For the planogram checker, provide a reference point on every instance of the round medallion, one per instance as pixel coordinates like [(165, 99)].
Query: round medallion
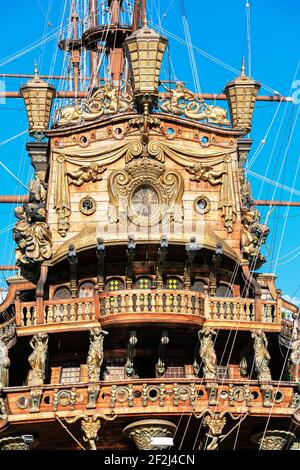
[(87, 205), (202, 205), (145, 201)]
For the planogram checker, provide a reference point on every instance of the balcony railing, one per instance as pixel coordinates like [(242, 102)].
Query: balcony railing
[(148, 302), (149, 396)]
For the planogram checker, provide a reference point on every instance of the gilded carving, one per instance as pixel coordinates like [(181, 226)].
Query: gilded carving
[(4, 363), (64, 398), (147, 190), (200, 172), (85, 174), (142, 432), (254, 233), (273, 440), (105, 101), (16, 442), (38, 357), (183, 102), (90, 426), (294, 361), (3, 410), (32, 234), (261, 355), (96, 354), (207, 353)]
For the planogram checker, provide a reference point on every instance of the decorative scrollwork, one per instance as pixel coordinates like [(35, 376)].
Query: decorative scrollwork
[(64, 398), (183, 102), (105, 101), (32, 234)]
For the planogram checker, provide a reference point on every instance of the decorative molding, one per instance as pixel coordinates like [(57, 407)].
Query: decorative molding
[(142, 432)]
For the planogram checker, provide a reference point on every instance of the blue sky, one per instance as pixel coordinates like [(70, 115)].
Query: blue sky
[(217, 28)]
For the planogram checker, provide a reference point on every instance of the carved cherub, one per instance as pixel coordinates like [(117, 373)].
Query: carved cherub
[(85, 174), (200, 172)]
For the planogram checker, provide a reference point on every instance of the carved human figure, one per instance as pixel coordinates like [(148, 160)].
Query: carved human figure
[(32, 234), (85, 174), (37, 188), (294, 361), (207, 352), (176, 103), (261, 355), (96, 354), (38, 357), (4, 364)]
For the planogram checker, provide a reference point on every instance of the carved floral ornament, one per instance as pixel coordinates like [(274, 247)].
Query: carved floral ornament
[(144, 178)]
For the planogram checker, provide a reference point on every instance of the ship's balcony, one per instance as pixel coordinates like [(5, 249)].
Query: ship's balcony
[(148, 306), (148, 397)]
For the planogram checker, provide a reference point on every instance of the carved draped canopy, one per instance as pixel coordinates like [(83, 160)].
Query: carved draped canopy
[(186, 157)]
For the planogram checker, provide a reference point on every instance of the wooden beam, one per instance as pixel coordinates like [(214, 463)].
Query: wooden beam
[(204, 96), (9, 268), (13, 199), (276, 203)]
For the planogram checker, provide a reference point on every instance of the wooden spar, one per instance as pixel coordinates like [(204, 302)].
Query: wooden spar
[(258, 202), (204, 96), (75, 53), (13, 199), (93, 54), (277, 203), (9, 268)]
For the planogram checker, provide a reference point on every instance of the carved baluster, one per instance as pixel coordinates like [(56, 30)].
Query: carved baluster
[(269, 314), (196, 304), (65, 313), (227, 310), (49, 314), (122, 304), (22, 311), (152, 303), (175, 303), (130, 302), (235, 311), (34, 316), (79, 312), (248, 312), (87, 311), (28, 316), (215, 309), (222, 310), (160, 303), (190, 305), (168, 303), (56, 309), (107, 305), (264, 307), (93, 310), (72, 312), (138, 303)]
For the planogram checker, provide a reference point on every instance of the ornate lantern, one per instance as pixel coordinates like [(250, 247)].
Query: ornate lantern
[(241, 95), (145, 48), (38, 96)]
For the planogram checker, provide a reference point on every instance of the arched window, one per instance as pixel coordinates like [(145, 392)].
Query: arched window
[(173, 283), (62, 293), (143, 283), (86, 289), (199, 286), (224, 291), (114, 284)]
